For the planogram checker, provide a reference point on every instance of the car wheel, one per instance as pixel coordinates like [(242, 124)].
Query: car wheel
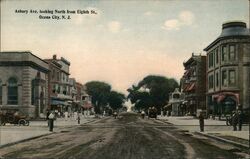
[(22, 122)]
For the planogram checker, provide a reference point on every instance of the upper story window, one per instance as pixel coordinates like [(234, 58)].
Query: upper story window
[(12, 91), (232, 77), (176, 96), (232, 52), (216, 56), (224, 53), (211, 81), (217, 79), (211, 60), (53, 74), (224, 78), (58, 76), (1, 92)]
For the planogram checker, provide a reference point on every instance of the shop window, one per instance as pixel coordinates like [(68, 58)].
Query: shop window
[(224, 78), (232, 77), (12, 91), (224, 53), (232, 52)]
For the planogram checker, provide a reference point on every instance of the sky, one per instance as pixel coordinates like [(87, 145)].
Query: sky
[(124, 41)]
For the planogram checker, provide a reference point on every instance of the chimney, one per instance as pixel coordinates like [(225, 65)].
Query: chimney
[(54, 57)]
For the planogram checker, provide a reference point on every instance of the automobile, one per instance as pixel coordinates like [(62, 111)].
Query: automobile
[(12, 118)]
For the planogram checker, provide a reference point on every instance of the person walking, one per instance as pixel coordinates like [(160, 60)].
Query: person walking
[(51, 121), (201, 121), (234, 121), (47, 116), (240, 119)]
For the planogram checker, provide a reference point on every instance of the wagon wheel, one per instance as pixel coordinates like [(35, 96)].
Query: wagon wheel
[(22, 122)]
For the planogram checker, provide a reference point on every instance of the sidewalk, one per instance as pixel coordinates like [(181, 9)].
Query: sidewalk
[(212, 128), (12, 134)]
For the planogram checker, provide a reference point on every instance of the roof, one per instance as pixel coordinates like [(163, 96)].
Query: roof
[(233, 29)]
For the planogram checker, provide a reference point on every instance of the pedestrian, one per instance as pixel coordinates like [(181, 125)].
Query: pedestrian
[(78, 118), (240, 119), (51, 121), (66, 115), (47, 116), (201, 121), (234, 120), (143, 114)]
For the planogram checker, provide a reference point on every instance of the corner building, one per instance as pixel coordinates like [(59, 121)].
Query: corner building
[(23, 83), (228, 70)]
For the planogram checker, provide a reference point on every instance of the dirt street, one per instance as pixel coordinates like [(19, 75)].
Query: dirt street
[(128, 137)]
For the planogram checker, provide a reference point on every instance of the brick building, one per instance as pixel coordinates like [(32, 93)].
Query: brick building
[(193, 84), (228, 70)]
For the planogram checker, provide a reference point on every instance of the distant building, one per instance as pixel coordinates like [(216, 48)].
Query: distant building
[(193, 84), (176, 100), (228, 70), (59, 85), (23, 83)]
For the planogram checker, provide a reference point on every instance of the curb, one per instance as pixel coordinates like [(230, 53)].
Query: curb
[(27, 139), (224, 140)]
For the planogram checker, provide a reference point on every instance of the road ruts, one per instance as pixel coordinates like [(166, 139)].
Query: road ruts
[(128, 137)]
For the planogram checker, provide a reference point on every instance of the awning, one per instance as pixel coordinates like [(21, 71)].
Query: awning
[(220, 97), (192, 87), (57, 102), (87, 105)]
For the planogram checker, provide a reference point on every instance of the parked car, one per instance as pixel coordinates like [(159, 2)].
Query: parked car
[(12, 118)]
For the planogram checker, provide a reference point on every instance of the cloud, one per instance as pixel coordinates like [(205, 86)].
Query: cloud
[(114, 26), (172, 24), (185, 18), (148, 13)]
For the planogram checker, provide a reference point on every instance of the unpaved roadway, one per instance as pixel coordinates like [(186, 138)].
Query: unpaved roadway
[(128, 137)]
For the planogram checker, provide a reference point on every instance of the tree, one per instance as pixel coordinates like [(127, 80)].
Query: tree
[(152, 91), (99, 91), (116, 100)]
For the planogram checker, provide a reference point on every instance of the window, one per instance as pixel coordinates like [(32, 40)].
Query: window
[(58, 76), (64, 90), (32, 92), (12, 91), (211, 82), (217, 79), (53, 74), (1, 92), (211, 60), (224, 78), (224, 53), (58, 89), (54, 89), (216, 56), (232, 52), (232, 77)]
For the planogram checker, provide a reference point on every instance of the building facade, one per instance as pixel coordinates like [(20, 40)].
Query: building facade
[(228, 70), (193, 84), (23, 83), (176, 100), (59, 84)]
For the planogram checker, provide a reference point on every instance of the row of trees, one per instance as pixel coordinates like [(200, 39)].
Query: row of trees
[(103, 95), (150, 91)]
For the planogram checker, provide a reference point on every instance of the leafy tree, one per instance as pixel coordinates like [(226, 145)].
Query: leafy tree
[(152, 91), (116, 100), (100, 92)]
